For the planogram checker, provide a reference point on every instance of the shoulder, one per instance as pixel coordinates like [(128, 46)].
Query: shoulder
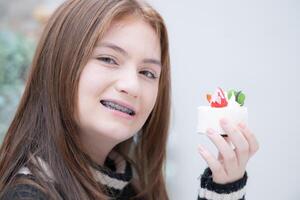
[(129, 191), (22, 191)]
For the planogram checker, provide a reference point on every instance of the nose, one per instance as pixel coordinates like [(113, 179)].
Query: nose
[(128, 83)]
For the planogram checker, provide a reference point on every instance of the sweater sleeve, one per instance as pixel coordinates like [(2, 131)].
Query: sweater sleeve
[(210, 190), (23, 192)]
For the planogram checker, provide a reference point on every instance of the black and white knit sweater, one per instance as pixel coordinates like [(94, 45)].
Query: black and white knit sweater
[(209, 190), (116, 178)]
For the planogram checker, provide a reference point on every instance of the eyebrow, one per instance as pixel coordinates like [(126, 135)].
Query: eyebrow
[(122, 51)]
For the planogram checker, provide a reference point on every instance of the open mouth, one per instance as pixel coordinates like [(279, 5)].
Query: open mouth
[(118, 107)]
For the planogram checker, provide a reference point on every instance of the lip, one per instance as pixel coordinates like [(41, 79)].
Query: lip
[(127, 105)]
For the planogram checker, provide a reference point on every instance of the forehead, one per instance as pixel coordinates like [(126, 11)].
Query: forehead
[(132, 33)]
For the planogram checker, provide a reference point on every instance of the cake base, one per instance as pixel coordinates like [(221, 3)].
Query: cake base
[(209, 117)]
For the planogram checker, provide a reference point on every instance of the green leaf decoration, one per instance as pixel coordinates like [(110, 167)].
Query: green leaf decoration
[(241, 98), (229, 94), (236, 95)]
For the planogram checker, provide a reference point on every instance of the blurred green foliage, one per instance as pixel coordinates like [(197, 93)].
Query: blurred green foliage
[(16, 52)]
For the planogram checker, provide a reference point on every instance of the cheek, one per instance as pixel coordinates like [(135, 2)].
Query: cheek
[(92, 80), (91, 83), (150, 97)]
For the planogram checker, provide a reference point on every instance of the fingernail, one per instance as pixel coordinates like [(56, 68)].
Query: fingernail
[(200, 149), (242, 125), (225, 124), (210, 131)]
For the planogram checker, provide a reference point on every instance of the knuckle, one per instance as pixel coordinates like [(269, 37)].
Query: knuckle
[(245, 149), (230, 158)]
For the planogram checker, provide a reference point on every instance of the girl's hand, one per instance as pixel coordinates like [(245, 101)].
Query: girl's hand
[(231, 163)]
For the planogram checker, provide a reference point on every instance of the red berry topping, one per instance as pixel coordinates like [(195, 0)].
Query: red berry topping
[(219, 99)]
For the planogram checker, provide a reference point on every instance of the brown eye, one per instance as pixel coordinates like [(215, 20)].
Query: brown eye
[(108, 60), (149, 74)]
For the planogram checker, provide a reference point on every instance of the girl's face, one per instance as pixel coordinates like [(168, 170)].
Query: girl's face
[(123, 72)]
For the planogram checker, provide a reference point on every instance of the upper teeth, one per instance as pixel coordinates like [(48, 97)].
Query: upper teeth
[(118, 107)]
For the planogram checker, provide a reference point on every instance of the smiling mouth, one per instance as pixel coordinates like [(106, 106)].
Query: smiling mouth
[(118, 107)]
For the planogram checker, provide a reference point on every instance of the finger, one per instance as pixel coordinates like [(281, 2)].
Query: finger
[(229, 156), (250, 137), (220, 158), (238, 140), (229, 142), (215, 166)]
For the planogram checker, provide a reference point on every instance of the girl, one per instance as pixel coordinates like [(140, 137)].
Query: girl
[(93, 120)]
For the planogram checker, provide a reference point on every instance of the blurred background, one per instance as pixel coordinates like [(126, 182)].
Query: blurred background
[(250, 45)]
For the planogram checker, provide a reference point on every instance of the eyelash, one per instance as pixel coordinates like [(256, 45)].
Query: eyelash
[(105, 59), (108, 60)]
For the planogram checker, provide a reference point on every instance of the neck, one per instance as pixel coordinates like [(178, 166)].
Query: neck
[(98, 148)]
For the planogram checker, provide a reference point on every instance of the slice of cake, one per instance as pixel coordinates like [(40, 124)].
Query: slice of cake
[(223, 104)]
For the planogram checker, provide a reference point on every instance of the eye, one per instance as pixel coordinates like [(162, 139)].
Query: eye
[(107, 60), (149, 74)]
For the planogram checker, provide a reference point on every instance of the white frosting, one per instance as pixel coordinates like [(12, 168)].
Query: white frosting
[(209, 117)]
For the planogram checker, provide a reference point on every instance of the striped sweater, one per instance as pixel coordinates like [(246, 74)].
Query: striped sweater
[(116, 176)]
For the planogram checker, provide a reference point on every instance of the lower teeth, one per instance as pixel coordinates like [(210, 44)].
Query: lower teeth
[(110, 107), (117, 109)]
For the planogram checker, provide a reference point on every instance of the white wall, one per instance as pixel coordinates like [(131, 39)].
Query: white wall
[(252, 45)]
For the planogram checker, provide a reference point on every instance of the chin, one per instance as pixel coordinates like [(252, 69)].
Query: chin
[(118, 134)]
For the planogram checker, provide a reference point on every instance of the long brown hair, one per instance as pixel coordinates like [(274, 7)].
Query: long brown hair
[(44, 123)]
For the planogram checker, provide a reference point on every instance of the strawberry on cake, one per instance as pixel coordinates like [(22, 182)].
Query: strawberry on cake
[(223, 104)]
